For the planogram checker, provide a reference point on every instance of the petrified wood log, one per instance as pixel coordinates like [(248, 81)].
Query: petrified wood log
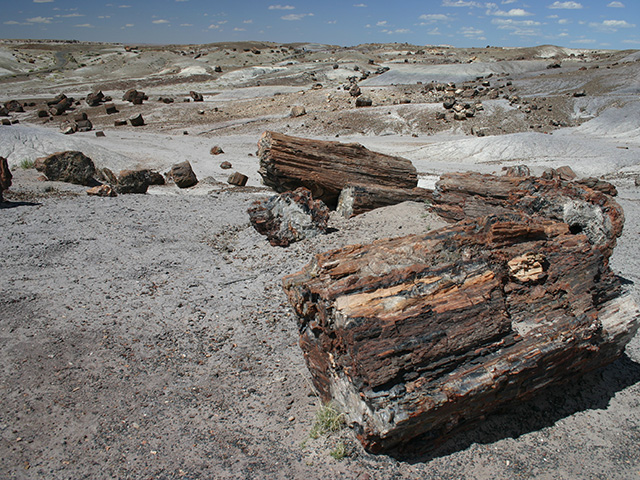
[(415, 336), (357, 199), (461, 196), (325, 168)]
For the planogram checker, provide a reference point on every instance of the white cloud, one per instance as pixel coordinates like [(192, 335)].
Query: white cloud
[(471, 32), (247, 21), (42, 1), (617, 24), (214, 26), (566, 5), (564, 21), (281, 7), (460, 3), (360, 5), (434, 17), (71, 15), (85, 25), (583, 41), (129, 25), (124, 6), (631, 41), (397, 31), (616, 5), (237, 29), (514, 12), (507, 2), (292, 17), (381, 24), (12, 22), (435, 31), (508, 23), (332, 22), (39, 20), (186, 24), (159, 21)]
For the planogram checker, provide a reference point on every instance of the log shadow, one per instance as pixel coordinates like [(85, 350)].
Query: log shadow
[(592, 391), (10, 204)]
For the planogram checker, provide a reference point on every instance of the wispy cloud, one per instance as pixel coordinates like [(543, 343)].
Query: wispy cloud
[(360, 5), (160, 21), (186, 24), (611, 25), (281, 7), (428, 19), (85, 25), (39, 20), (473, 33), (247, 21), (12, 22), (124, 6), (461, 3), (566, 5), (381, 24), (397, 31), (213, 26), (616, 5), (514, 12), (70, 15), (292, 17), (42, 1), (583, 41)]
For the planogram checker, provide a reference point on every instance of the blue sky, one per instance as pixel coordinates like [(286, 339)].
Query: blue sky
[(461, 23)]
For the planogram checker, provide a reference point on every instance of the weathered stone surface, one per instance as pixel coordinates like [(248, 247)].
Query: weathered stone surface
[(155, 178), (298, 111), (106, 175), (599, 185), (460, 196), (238, 179), (357, 199), (132, 181), (134, 96), (325, 168), (70, 166), (14, 106), (289, 217), (95, 99), (417, 335), (363, 102), (137, 121), (183, 175), (517, 171), (102, 191), (5, 176)]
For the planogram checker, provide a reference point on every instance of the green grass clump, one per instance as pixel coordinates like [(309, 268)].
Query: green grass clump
[(339, 452), (26, 164), (328, 420)]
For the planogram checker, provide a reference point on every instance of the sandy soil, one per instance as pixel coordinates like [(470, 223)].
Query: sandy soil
[(147, 336)]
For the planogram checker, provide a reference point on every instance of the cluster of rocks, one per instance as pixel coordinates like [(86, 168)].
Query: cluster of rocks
[(96, 99), (80, 123), (134, 96)]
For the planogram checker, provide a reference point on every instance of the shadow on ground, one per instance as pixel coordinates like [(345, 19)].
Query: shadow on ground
[(593, 391)]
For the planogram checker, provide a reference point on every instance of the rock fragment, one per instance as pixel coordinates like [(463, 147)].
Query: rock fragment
[(183, 175), (5, 176), (69, 166)]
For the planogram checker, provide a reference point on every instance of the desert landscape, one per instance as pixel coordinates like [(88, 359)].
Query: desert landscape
[(149, 335)]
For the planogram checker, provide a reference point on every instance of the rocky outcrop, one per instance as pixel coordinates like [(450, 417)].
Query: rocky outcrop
[(70, 166), (289, 217), (183, 175), (5, 176)]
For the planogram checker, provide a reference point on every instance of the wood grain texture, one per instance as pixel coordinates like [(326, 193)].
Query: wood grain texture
[(414, 336), (325, 167)]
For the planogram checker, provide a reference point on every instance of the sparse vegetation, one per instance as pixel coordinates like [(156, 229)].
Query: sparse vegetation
[(27, 164), (328, 420), (340, 451)]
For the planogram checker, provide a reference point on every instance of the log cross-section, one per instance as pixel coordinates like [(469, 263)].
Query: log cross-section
[(326, 167)]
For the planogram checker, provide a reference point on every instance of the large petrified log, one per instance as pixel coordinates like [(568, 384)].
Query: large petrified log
[(460, 196), (325, 168), (415, 336), (5, 176), (357, 199)]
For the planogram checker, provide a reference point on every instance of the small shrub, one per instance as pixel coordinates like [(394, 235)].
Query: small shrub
[(339, 452)]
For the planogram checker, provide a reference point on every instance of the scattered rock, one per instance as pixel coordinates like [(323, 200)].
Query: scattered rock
[(134, 96), (5, 176), (217, 69), (449, 102), (364, 102), (120, 123), (226, 165), (237, 179), (580, 93), (132, 181), (84, 126), (43, 114), (68, 128), (197, 97), (136, 121), (298, 111), (110, 108), (70, 166), (95, 99), (100, 133), (183, 175), (102, 191), (62, 106), (14, 106), (517, 171), (289, 217), (216, 150), (355, 91)]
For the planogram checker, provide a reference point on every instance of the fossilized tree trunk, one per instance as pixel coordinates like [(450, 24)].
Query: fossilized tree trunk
[(357, 199), (325, 168), (415, 335)]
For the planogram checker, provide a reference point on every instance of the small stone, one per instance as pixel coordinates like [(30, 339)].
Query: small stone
[(298, 111), (137, 121), (216, 150), (238, 179), (226, 165)]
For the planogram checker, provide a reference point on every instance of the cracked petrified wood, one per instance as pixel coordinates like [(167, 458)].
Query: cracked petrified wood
[(357, 199), (418, 335), (461, 196), (325, 168)]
